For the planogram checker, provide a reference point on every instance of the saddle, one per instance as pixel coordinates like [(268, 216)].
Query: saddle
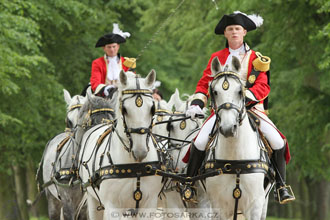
[(255, 123)]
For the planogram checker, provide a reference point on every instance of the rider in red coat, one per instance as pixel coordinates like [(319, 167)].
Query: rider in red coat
[(255, 76), (105, 69)]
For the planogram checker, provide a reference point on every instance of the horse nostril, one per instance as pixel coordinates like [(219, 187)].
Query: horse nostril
[(234, 129)]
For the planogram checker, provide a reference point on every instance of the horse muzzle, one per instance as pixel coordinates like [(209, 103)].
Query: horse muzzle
[(139, 155), (228, 131)]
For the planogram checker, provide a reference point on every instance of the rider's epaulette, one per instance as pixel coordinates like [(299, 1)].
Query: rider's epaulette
[(130, 62), (261, 63)]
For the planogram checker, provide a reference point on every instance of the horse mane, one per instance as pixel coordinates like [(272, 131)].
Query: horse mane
[(96, 102)]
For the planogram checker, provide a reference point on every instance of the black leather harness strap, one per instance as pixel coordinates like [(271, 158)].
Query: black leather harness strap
[(230, 166), (237, 167), (237, 193), (119, 171)]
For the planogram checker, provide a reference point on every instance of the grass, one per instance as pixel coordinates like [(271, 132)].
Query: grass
[(273, 218), (268, 218)]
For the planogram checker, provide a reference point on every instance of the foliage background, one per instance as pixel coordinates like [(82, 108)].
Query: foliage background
[(46, 46)]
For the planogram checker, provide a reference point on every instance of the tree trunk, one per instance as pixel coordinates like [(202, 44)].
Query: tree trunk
[(322, 200), (40, 207), (312, 191), (303, 199), (20, 187), (8, 205)]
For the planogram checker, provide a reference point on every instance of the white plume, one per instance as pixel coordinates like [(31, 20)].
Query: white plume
[(116, 30), (157, 84), (258, 20)]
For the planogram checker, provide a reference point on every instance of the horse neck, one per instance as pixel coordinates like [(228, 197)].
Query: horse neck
[(244, 146)]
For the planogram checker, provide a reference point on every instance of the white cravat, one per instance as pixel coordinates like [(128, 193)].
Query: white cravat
[(113, 68), (235, 53)]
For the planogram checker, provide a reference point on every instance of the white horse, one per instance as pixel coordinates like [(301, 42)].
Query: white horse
[(235, 152), (181, 131), (52, 150), (116, 158)]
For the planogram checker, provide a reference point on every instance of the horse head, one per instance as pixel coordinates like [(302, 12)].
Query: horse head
[(227, 95), (163, 111), (136, 110), (184, 128), (97, 110), (73, 105)]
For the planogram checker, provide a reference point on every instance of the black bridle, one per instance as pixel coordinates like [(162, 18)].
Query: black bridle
[(104, 114), (138, 94), (227, 105), (67, 120)]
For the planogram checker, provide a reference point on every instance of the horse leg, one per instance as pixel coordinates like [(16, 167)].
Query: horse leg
[(264, 210), (53, 206), (71, 198), (254, 212), (92, 205)]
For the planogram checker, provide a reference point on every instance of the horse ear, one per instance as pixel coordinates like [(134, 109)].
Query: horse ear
[(151, 78), (89, 94), (67, 97), (236, 65), (215, 66), (123, 78)]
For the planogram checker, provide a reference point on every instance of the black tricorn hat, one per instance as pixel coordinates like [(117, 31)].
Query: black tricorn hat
[(110, 39), (117, 36), (248, 22)]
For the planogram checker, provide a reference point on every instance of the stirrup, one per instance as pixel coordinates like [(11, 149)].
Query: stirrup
[(288, 199)]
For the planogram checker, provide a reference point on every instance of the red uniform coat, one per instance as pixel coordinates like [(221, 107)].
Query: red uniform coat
[(260, 88), (99, 71)]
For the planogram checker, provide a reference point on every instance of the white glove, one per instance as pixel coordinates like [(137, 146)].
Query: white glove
[(194, 110), (107, 89)]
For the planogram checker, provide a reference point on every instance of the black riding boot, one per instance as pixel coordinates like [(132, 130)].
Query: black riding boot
[(195, 161), (281, 194)]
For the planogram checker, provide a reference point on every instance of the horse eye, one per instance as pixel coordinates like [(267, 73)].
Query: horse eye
[(215, 93), (69, 123), (240, 92)]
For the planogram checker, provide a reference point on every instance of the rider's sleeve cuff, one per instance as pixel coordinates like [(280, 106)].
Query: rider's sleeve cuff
[(99, 88), (250, 95), (199, 99), (198, 102)]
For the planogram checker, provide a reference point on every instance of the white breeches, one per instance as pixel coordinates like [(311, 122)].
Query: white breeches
[(269, 131)]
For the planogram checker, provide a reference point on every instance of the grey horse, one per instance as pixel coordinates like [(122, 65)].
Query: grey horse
[(60, 178)]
